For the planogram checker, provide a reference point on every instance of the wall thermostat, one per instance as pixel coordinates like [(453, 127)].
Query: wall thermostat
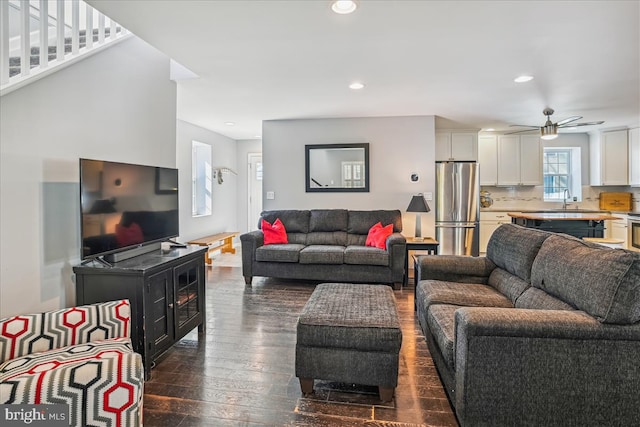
[(415, 177)]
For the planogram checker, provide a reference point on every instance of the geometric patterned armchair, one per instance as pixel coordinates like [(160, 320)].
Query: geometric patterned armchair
[(81, 357)]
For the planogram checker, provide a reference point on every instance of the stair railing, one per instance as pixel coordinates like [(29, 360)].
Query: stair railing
[(39, 37)]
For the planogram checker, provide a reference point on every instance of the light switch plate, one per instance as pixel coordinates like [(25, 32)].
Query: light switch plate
[(271, 195), (428, 195)]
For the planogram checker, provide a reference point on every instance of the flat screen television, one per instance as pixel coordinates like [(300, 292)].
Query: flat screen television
[(125, 206)]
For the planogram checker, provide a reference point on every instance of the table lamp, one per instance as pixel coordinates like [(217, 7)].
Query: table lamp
[(418, 204)]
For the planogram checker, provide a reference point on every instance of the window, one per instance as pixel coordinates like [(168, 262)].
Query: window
[(201, 179), (562, 173), (352, 174)]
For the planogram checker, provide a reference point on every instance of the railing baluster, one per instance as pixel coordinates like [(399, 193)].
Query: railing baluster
[(60, 31), (112, 33), (4, 38), (89, 33), (100, 28), (44, 34), (25, 39), (75, 27)]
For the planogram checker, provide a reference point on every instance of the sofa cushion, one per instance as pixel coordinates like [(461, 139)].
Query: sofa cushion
[(540, 300), (294, 221), (513, 248), (460, 294), (99, 380), (603, 282), (361, 221), (322, 254), (327, 238), (279, 253), (328, 220), (507, 284), (441, 322), (365, 255)]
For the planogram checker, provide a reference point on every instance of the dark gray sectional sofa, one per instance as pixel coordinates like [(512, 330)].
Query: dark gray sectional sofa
[(327, 245), (543, 331)]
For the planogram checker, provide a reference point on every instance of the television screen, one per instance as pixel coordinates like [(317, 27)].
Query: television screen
[(125, 206)]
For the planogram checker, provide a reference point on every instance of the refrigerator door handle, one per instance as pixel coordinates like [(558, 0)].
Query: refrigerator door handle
[(466, 225)]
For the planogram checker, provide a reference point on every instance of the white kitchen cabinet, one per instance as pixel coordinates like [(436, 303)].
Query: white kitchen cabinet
[(459, 146), (488, 159), (519, 160), (489, 222), (609, 158), (634, 157), (618, 229)]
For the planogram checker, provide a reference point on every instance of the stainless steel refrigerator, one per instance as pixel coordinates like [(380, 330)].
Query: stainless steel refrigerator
[(458, 208)]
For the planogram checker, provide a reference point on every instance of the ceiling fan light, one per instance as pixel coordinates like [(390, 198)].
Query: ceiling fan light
[(549, 132)]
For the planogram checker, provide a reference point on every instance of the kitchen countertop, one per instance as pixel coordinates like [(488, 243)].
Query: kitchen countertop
[(563, 216)]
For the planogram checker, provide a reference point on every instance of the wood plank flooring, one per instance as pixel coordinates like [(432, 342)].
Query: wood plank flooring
[(241, 371)]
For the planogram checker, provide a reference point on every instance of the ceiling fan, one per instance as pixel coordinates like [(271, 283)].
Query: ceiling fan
[(550, 130)]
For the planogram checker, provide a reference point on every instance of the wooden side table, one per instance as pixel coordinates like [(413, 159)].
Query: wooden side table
[(427, 244)]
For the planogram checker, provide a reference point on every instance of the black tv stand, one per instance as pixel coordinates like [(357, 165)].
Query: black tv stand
[(166, 292)]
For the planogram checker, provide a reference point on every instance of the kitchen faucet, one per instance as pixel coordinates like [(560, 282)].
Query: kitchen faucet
[(566, 195)]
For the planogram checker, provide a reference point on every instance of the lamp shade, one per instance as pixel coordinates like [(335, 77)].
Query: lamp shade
[(418, 204), (102, 206)]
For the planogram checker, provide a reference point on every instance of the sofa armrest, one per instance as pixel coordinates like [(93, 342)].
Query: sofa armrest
[(454, 268), (250, 242), (544, 367), (396, 244)]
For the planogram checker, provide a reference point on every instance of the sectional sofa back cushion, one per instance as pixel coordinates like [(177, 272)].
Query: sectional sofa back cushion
[(295, 222), (513, 248), (359, 223), (600, 281), (327, 227), (33, 333)]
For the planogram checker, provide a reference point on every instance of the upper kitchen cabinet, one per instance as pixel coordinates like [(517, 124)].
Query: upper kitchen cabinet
[(488, 159), (609, 158), (519, 160), (634, 157), (459, 146)]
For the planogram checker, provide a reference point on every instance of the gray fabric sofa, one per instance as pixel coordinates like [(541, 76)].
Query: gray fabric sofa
[(327, 245), (543, 331)]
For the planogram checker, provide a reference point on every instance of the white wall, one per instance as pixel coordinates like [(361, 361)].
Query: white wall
[(223, 151), (243, 149), (117, 105), (398, 147)]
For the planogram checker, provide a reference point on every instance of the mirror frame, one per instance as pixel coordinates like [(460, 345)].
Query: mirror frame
[(309, 189)]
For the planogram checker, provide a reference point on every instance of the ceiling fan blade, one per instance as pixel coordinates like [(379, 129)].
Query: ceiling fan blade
[(537, 128), (525, 126), (568, 120), (582, 124)]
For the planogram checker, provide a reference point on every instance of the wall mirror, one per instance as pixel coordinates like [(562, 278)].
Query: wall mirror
[(337, 168)]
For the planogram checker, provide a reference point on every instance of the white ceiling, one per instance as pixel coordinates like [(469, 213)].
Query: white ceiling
[(268, 60)]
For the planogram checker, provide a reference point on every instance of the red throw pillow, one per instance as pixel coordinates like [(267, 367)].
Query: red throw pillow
[(274, 234), (378, 234), (127, 236)]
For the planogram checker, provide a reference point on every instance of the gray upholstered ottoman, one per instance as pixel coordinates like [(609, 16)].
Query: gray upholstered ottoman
[(349, 333)]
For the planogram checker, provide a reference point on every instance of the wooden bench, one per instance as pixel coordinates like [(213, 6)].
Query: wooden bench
[(222, 241)]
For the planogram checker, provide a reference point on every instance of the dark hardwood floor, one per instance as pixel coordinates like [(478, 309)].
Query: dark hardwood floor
[(241, 371)]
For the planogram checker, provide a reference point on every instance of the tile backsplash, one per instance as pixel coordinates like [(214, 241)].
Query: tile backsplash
[(531, 198)]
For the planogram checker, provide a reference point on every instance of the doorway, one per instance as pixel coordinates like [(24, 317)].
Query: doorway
[(255, 190)]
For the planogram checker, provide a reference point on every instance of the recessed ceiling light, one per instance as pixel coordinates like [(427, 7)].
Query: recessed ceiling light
[(344, 7), (356, 85), (229, 123), (523, 79)]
